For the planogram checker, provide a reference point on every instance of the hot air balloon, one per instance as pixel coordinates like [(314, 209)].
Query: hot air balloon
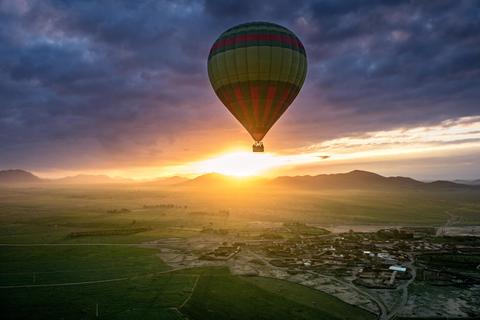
[(256, 70)]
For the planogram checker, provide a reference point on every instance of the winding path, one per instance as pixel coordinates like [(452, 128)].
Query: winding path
[(453, 220)]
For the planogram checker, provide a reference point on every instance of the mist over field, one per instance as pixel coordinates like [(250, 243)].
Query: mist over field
[(60, 207)]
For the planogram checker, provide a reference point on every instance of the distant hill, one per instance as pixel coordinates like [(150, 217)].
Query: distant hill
[(170, 181), (21, 176), (91, 179), (18, 176), (356, 179), (445, 184), (217, 180), (352, 180)]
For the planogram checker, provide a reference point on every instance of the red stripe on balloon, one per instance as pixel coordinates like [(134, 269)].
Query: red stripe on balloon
[(255, 100), (268, 104), (241, 102), (271, 37), (280, 104), (229, 104), (288, 103)]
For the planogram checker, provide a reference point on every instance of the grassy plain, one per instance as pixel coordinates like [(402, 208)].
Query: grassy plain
[(155, 293), (218, 295), (313, 298), (49, 214), (28, 265)]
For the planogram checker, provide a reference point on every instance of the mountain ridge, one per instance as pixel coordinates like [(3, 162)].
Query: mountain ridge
[(352, 179), (87, 178), (18, 176), (356, 179)]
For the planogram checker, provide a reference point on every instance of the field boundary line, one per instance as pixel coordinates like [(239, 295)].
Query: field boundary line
[(62, 284), (64, 244), (87, 282), (191, 293)]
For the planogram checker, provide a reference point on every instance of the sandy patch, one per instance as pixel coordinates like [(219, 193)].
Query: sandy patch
[(463, 231)]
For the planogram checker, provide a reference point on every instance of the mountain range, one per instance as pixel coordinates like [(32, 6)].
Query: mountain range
[(18, 176), (356, 179)]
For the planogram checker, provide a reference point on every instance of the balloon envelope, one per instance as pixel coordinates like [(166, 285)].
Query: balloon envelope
[(257, 69)]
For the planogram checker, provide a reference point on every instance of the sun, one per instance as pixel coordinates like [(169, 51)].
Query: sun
[(240, 164)]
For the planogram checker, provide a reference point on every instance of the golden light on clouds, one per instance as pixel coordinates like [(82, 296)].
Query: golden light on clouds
[(451, 134), (446, 139)]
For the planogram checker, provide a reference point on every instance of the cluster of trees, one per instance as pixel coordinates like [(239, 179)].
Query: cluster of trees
[(222, 232), (270, 235), (108, 232), (200, 213), (164, 206), (425, 230), (394, 234), (123, 210), (470, 240), (204, 213)]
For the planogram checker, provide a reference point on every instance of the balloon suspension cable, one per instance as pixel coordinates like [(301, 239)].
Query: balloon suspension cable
[(258, 146)]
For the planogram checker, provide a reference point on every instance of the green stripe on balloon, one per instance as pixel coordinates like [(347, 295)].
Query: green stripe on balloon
[(241, 66), (255, 43)]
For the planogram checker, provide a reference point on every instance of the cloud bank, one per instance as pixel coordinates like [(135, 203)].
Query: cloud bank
[(107, 84)]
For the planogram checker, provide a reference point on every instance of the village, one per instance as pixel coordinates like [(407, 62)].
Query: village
[(373, 270), (376, 260)]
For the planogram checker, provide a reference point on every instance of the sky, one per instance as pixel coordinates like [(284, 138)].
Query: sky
[(121, 88)]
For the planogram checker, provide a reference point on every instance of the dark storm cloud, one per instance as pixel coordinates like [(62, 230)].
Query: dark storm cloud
[(392, 63), (110, 72), (104, 79)]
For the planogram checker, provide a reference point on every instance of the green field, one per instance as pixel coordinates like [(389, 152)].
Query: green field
[(155, 294), (65, 264), (228, 297), (51, 214), (143, 288), (311, 298)]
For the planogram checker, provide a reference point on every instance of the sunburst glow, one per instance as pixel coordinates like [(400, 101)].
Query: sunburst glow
[(240, 163)]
